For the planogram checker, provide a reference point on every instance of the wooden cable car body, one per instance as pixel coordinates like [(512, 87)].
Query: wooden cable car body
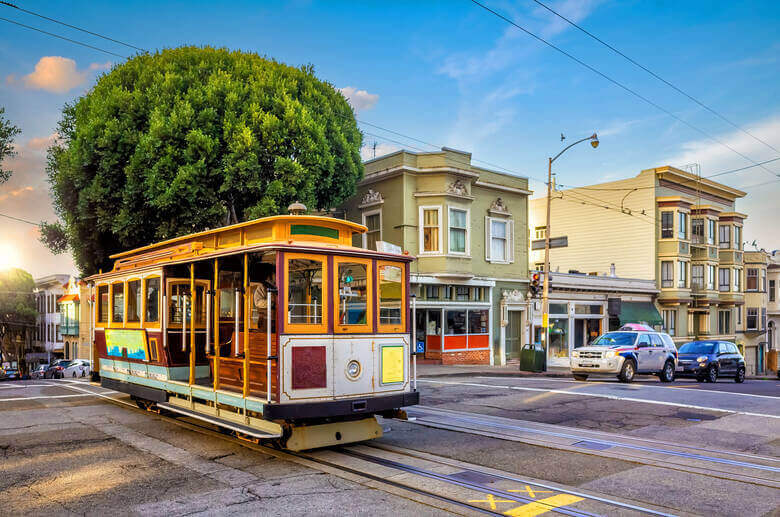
[(276, 329)]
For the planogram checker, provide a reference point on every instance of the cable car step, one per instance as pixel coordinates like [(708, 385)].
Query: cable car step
[(219, 421)]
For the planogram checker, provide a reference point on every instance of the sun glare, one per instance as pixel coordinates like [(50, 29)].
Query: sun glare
[(9, 256)]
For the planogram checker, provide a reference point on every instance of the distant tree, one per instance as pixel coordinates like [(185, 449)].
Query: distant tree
[(17, 311), (8, 133), (192, 138)]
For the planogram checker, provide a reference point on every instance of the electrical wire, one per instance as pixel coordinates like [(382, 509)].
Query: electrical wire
[(20, 220), (619, 84), (678, 90), (64, 38)]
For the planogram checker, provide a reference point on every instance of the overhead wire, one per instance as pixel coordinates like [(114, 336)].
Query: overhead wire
[(64, 38), (618, 84), (668, 83)]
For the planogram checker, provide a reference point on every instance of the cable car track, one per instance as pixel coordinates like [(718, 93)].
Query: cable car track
[(222, 434)]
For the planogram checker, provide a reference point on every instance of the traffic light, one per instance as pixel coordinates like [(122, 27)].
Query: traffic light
[(535, 286)]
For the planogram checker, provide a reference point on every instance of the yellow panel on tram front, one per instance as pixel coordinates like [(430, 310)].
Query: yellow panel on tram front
[(392, 364)]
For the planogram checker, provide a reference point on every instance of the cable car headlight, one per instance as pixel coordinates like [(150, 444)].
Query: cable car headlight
[(353, 369)]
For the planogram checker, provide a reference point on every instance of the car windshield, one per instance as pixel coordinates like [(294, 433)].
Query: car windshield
[(64, 364), (615, 339), (697, 347)]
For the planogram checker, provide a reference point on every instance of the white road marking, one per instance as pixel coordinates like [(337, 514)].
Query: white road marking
[(636, 385), (38, 397), (598, 395)]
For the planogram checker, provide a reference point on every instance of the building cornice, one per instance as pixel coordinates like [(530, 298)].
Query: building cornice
[(502, 188)]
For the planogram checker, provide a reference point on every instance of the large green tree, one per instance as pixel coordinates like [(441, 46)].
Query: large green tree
[(17, 312), (192, 138), (8, 132)]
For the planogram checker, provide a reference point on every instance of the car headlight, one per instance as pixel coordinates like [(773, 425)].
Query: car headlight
[(575, 353), (353, 369), (610, 354), (702, 358)]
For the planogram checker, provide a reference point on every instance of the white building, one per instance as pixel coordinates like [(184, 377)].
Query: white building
[(48, 337), (773, 309)]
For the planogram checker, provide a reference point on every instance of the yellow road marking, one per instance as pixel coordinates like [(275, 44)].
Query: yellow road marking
[(543, 505), (491, 501), (531, 492)]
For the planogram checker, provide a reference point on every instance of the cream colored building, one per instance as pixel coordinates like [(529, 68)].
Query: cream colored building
[(773, 310), (754, 339), (666, 225)]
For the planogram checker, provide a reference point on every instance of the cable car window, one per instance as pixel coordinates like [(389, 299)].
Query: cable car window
[(102, 316), (353, 293), (390, 295), (134, 301), (152, 300), (179, 292), (118, 303), (304, 298), (228, 282)]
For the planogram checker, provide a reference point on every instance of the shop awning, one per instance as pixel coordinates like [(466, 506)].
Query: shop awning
[(68, 298), (640, 312)]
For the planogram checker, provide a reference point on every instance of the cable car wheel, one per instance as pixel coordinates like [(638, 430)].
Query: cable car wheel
[(146, 405)]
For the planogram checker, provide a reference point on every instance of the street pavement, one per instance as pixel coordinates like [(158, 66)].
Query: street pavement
[(66, 450)]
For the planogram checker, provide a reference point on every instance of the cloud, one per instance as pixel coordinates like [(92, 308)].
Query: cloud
[(42, 143), (56, 74), (360, 100), (367, 151)]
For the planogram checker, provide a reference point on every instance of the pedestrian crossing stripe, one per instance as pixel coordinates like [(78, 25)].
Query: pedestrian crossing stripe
[(543, 505)]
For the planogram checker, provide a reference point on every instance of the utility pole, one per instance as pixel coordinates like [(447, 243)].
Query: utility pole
[(594, 142)]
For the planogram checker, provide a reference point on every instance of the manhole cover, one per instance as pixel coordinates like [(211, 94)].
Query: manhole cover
[(472, 476), (596, 446)]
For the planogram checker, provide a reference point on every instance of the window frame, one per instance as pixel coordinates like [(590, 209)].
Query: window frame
[(667, 282), (391, 327), (755, 317), (509, 239), (467, 237), (667, 230), (168, 283), (682, 271), (139, 323), (97, 319), (152, 324), (307, 328), (421, 232), (728, 280), (712, 272), (339, 328), (670, 321), (682, 225), (111, 322), (772, 290), (712, 231), (364, 216), (694, 276), (724, 244), (748, 277)]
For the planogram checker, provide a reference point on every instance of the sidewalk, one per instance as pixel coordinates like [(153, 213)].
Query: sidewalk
[(510, 370)]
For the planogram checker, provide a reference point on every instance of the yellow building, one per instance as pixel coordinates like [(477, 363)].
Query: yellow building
[(754, 339), (665, 224), (75, 326)]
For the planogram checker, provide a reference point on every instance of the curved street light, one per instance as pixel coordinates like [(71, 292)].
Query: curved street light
[(594, 142)]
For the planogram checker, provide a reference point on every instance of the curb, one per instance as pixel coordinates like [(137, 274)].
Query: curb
[(497, 374)]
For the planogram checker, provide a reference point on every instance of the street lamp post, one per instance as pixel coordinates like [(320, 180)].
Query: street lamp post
[(594, 141)]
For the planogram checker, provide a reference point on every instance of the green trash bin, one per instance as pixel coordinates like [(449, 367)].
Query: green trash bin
[(532, 358)]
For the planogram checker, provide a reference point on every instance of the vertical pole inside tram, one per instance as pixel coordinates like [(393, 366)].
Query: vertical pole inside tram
[(268, 351), (193, 309), (216, 324), (246, 324)]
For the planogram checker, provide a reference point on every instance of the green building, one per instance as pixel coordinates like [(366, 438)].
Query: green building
[(467, 226)]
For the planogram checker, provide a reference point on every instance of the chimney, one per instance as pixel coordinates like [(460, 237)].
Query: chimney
[(612, 270)]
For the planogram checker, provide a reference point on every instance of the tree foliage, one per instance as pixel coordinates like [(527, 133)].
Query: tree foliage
[(54, 237), (8, 132), (194, 138), (17, 306)]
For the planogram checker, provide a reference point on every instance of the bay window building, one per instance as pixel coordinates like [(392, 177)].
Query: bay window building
[(754, 336), (467, 226)]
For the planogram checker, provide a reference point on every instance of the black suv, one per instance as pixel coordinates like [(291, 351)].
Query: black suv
[(707, 360)]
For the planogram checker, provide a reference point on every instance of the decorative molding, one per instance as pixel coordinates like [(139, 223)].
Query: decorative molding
[(513, 296), (371, 198), (499, 207), (458, 188)]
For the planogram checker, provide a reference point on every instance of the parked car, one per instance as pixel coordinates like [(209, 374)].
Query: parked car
[(10, 374), (76, 368), (39, 372), (54, 369), (634, 349), (708, 360)]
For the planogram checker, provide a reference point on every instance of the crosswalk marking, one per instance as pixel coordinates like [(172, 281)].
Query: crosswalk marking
[(543, 505)]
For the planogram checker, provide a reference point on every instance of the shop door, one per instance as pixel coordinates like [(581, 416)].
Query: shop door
[(513, 335)]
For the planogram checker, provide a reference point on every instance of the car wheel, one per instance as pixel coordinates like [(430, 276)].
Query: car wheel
[(699, 379), (580, 377), (740, 375), (628, 371), (74, 375), (712, 373), (667, 374)]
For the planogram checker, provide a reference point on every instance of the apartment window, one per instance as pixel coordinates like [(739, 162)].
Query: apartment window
[(499, 240), (432, 292), (372, 221), (697, 229), (682, 230), (737, 280), (59, 333), (772, 295), (667, 274), (763, 318), (431, 234), (737, 237), (710, 231), (724, 236), (540, 232), (710, 277), (682, 280), (697, 276), (724, 322), (461, 293), (763, 280), (739, 315), (752, 318), (724, 279), (458, 230), (670, 322), (752, 279), (667, 225)]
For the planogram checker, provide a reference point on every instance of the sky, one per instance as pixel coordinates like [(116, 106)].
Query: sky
[(450, 74)]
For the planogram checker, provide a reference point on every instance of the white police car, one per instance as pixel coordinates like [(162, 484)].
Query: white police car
[(634, 349)]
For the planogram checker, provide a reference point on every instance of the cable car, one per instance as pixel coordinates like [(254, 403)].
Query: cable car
[(277, 329)]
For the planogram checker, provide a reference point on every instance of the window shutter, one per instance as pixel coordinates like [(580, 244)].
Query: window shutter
[(487, 238), (510, 243)]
